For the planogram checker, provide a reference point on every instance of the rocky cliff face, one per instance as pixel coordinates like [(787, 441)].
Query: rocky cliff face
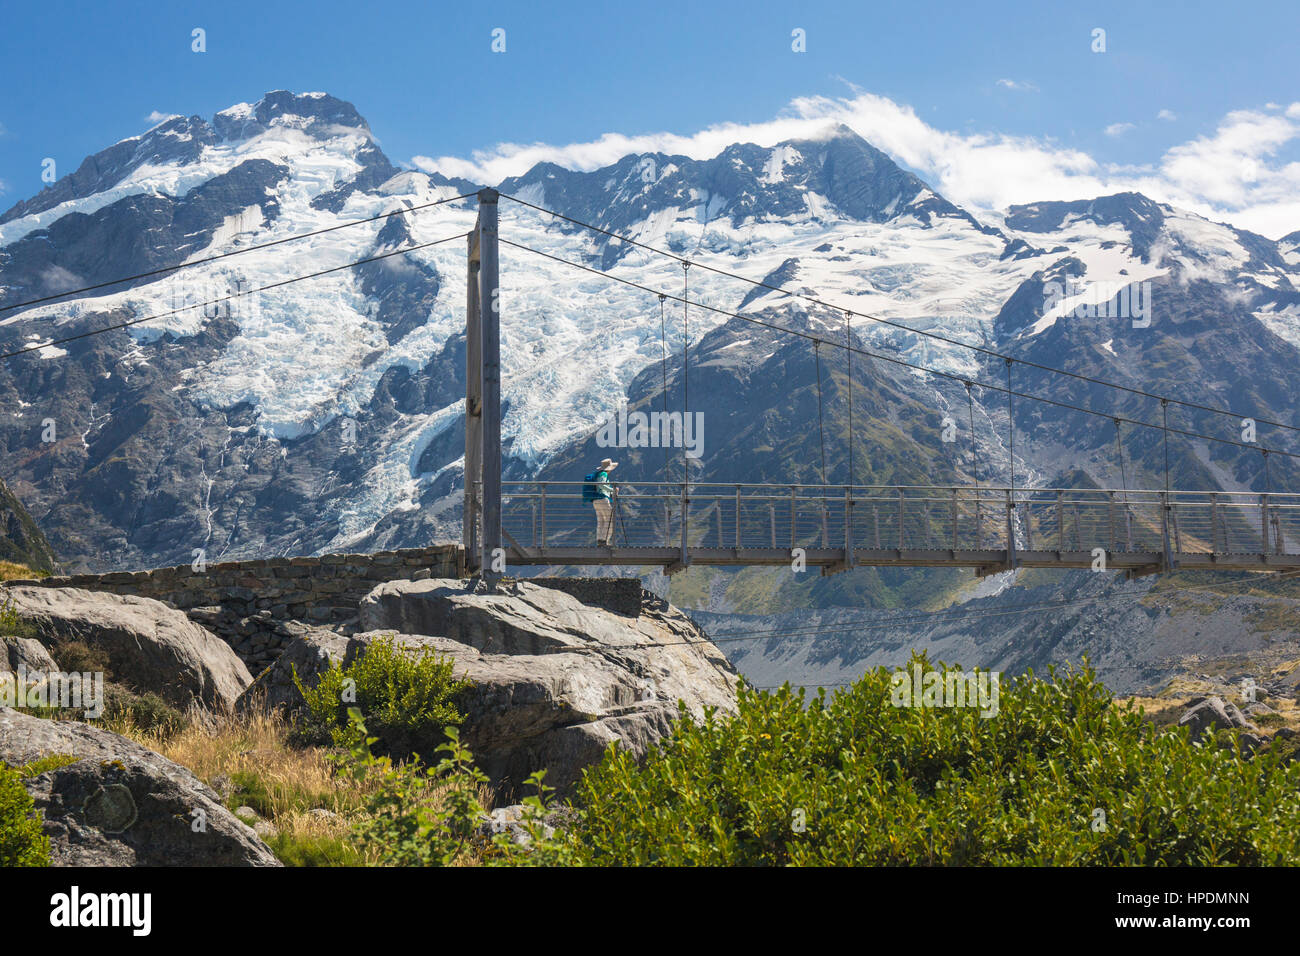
[(21, 541)]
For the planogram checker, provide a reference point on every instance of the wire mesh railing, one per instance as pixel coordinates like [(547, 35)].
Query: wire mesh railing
[(711, 515)]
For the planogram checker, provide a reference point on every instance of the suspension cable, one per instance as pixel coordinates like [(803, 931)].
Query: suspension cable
[(893, 360), (663, 364), (686, 364), (1011, 434), (226, 298), (820, 428), (848, 353), (974, 449), (228, 253), (898, 325), (1119, 448), (1164, 412)]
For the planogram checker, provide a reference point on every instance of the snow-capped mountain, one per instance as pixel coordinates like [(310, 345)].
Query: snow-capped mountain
[(326, 414)]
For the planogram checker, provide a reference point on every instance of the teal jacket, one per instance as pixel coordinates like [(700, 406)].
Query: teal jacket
[(604, 486)]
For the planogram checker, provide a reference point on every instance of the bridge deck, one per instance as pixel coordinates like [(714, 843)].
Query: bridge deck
[(674, 525)]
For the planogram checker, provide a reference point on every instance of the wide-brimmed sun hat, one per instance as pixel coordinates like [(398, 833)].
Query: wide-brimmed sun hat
[(608, 465)]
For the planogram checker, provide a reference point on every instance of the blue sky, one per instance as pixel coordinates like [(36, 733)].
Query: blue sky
[(1195, 102)]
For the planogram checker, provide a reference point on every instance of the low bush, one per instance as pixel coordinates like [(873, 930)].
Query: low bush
[(145, 713), (1059, 776), (432, 815), (22, 842), (12, 624), (406, 700)]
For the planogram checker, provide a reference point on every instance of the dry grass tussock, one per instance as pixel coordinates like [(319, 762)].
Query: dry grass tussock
[(251, 760)]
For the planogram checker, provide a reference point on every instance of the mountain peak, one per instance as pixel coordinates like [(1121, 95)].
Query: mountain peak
[(180, 140), (1142, 217), (317, 114), (832, 175)]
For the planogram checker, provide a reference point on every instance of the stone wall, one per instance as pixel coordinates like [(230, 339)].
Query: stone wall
[(258, 606), (620, 595), (248, 603)]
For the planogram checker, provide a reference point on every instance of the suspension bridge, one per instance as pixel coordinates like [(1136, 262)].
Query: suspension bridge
[(834, 527), (990, 528)]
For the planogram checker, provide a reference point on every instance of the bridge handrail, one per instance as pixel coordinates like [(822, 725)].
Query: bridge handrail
[(1020, 495)]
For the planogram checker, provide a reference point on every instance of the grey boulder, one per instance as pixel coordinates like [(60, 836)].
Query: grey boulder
[(25, 653), (555, 681), (1215, 713), (121, 804), (309, 654), (150, 646)]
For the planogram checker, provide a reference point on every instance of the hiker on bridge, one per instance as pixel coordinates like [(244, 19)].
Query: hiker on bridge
[(601, 492)]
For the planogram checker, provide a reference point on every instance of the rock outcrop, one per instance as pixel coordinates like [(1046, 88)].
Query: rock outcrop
[(555, 681), (121, 804), (1214, 713), (150, 646), (21, 540), (26, 653), (308, 654)]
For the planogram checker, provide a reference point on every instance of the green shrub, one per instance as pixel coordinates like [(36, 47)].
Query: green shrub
[(22, 842), (12, 624), (407, 700), (1060, 776), (430, 816), (145, 712)]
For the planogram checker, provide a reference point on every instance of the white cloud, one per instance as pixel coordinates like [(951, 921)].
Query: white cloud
[(1024, 85), (154, 117), (1167, 115), (1119, 129), (1233, 175)]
